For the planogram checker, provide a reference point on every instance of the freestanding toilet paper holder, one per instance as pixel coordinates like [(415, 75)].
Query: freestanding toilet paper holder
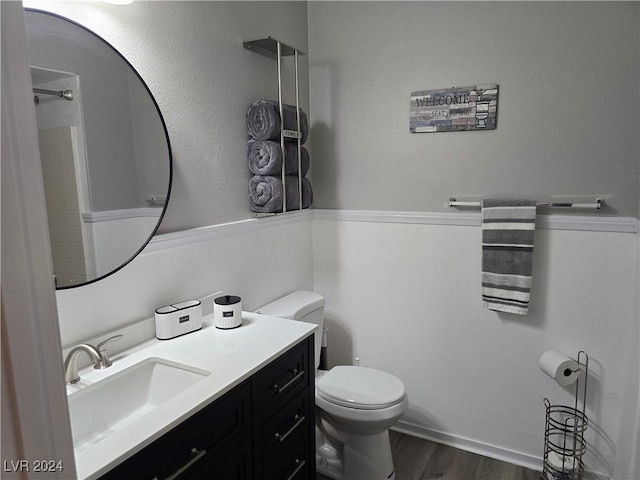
[(564, 443)]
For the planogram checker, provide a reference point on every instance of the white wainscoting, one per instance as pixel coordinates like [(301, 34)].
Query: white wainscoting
[(258, 259), (403, 294)]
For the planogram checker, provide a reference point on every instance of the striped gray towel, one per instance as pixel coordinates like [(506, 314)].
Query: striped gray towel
[(508, 228)]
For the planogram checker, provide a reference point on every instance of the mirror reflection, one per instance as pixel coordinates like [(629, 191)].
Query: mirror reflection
[(106, 158)]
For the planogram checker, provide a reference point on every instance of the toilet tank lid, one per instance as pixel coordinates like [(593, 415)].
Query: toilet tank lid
[(293, 306)]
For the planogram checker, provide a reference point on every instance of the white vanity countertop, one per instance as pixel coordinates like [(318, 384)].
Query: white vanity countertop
[(231, 356)]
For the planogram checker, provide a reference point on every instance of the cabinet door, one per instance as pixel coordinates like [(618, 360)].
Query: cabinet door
[(285, 440)]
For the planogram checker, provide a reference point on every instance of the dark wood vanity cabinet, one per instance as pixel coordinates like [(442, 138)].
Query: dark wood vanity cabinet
[(283, 396), (263, 429)]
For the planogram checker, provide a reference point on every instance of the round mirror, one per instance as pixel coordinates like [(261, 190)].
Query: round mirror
[(106, 157)]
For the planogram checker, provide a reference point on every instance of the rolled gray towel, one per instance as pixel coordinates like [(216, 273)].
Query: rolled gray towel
[(263, 121), (265, 193), (265, 158)]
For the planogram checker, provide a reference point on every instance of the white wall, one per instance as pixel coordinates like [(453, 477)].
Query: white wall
[(405, 297), (454, 357), (259, 260)]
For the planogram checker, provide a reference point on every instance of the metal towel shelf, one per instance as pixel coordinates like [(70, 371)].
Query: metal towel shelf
[(272, 48)]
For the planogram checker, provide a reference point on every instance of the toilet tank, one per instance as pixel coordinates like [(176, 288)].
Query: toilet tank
[(301, 305)]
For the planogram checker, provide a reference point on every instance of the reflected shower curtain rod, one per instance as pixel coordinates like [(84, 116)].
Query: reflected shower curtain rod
[(597, 205), (66, 94)]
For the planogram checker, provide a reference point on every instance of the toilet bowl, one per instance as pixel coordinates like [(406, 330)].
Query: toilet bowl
[(355, 406)]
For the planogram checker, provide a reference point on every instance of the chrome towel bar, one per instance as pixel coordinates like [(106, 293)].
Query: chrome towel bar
[(597, 205)]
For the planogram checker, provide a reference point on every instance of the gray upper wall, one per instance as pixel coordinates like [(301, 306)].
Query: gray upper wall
[(568, 114), (568, 117), (191, 56)]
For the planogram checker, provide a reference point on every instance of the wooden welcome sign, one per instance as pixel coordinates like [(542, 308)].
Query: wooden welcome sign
[(454, 109)]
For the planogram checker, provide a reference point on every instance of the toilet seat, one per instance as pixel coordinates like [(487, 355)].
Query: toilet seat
[(360, 388)]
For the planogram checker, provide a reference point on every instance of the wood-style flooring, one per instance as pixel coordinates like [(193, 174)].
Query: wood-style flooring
[(418, 459)]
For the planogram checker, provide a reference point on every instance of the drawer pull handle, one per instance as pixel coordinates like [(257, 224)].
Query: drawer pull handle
[(298, 419), (197, 455), (298, 468), (296, 376)]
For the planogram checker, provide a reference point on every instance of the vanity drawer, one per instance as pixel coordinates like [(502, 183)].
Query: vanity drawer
[(232, 463), (195, 441), (218, 424), (285, 427), (284, 378), (290, 461)]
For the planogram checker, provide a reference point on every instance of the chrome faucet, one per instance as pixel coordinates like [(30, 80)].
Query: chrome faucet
[(97, 354)]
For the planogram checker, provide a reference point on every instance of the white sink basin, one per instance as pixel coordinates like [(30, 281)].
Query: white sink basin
[(98, 410)]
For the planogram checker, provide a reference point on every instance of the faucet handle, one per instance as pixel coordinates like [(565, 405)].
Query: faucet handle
[(104, 357)]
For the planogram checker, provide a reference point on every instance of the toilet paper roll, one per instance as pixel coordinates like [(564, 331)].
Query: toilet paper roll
[(562, 463), (561, 368)]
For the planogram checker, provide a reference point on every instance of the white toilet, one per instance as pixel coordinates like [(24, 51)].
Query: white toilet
[(355, 405)]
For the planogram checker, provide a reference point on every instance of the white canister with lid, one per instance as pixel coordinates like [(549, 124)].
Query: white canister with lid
[(227, 312)]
